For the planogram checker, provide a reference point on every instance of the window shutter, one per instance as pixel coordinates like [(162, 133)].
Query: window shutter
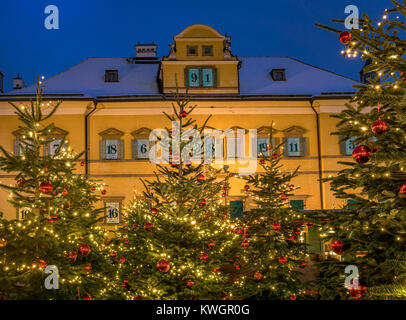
[(303, 146), (343, 147), (186, 77), (120, 149), (215, 80), (17, 147), (102, 149), (134, 148), (285, 147), (275, 142)]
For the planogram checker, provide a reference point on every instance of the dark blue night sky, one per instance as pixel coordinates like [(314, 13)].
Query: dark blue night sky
[(110, 28)]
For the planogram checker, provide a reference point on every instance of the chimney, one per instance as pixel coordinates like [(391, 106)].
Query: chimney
[(1, 82), (18, 83), (145, 51)]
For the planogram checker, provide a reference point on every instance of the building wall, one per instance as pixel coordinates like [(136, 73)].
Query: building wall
[(123, 176)]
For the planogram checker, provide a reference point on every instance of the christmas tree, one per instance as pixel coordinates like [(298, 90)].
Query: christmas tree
[(370, 230), (178, 234), (59, 226), (271, 246)]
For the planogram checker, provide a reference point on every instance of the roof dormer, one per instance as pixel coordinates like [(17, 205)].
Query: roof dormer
[(200, 59)]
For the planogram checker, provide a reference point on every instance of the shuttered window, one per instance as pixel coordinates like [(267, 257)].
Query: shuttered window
[(348, 146), (140, 148), (237, 209), (297, 204), (111, 149), (295, 147)]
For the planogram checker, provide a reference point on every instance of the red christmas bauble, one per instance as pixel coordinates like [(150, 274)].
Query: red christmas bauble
[(73, 255), (148, 226), (65, 192), (245, 244), (282, 260), (113, 254), (200, 177), (292, 297), (309, 224), (211, 245), (217, 269), (190, 283), (297, 232), (237, 266), (403, 189), (88, 267), (327, 220), (104, 191), (345, 37), (42, 263), (257, 276), (87, 297), (46, 187), (93, 188), (82, 163), (303, 265), (359, 292), (291, 238), (84, 249), (276, 226), (204, 256), (224, 188), (183, 114), (139, 298), (163, 265), (275, 156), (261, 161), (19, 182), (246, 187), (379, 127), (122, 260), (53, 218), (153, 210), (284, 197), (202, 203), (337, 247), (361, 154)]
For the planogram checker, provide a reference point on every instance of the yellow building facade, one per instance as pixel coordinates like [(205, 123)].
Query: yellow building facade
[(110, 105)]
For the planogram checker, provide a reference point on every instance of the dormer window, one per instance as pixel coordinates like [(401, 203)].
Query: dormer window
[(192, 50), (278, 75), (111, 76), (207, 50)]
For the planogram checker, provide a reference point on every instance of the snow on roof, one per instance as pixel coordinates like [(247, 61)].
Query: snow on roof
[(301, 78), (137, 77), (87, 77)]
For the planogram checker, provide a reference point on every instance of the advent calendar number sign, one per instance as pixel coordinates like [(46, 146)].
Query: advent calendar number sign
[(111, 149), (53, 146), (207, 77), (142, 148), (350, 146), (194, 80), (22, 213), (112, 212), (293, 147), (262, 146)]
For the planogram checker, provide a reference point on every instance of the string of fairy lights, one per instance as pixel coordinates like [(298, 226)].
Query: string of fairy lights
[(63, 221)]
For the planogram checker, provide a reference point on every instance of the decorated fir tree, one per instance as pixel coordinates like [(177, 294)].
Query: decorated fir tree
[(178, 234), (59, 226), (370, 231), (271, 247)]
